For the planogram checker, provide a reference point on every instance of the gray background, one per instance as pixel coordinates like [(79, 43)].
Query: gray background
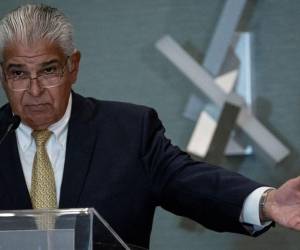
[(119, 62)]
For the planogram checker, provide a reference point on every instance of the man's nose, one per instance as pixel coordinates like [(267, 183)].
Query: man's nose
[(35, 88)]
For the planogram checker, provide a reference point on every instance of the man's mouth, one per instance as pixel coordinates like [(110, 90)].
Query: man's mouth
[(37, 107)]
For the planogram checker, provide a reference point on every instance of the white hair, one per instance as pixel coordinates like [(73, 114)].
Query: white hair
[(30, 23)]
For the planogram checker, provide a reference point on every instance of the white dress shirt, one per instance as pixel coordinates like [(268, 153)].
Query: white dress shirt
[(250, 211), (56, 148)]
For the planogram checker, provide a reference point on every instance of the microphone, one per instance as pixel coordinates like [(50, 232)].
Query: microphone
[(13, 125)]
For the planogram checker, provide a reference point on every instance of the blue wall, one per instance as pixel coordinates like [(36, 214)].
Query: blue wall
[(119, 62)]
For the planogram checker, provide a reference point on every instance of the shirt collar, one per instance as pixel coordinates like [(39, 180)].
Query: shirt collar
[(57, 128)]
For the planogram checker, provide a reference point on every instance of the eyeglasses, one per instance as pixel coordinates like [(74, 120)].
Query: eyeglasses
[(48, 76)]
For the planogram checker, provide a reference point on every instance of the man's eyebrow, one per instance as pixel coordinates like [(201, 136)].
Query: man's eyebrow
[(43, 64), (14, 65), (49, 62)]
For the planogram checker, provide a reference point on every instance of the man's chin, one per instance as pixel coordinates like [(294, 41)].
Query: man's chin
[(39, 122)]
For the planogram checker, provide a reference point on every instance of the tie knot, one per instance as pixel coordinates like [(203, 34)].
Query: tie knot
[(41, 136)]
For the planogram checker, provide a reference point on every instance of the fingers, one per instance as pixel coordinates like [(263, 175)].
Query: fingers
[(293, 183), (296, 225)]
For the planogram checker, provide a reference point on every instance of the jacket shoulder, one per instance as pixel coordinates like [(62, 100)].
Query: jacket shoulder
[(116, 109)]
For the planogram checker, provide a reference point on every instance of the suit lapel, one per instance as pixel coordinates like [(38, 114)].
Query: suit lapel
[(11, 168), (80, 146)]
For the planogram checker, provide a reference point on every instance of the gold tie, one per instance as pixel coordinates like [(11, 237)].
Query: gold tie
[(43, 191)]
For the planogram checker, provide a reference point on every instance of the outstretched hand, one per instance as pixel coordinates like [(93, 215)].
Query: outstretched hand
[(283, 204)]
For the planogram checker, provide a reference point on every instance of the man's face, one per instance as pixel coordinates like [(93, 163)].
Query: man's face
[(37, 106)]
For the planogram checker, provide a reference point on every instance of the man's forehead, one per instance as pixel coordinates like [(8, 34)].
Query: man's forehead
[(41, 59), (36, 54)]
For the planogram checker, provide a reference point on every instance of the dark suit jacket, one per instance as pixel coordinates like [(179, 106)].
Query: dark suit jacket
[(119, 162)]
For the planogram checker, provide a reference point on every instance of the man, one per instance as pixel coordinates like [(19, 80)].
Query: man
[(108, 155)]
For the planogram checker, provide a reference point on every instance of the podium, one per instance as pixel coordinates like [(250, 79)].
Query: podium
[(58, 229)]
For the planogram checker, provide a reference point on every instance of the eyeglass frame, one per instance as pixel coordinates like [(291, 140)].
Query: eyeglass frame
[(29, 78)]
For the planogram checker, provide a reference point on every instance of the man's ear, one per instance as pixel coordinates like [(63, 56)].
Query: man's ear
[(74, 65), (2, 79), (1, 75)]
